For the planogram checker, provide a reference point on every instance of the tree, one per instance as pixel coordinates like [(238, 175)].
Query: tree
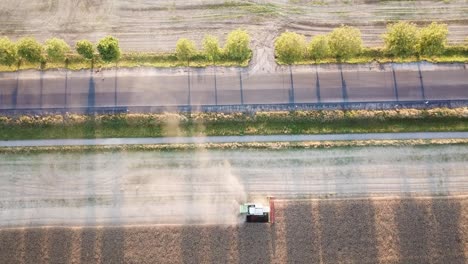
[(345, 42), (401, 39), (109, 49), (432, 39), (85, 48), (318, 47), (211, 48), (8, 52), (237, 45), (56, 49), (30, 49), (185, 49), (290, 47)]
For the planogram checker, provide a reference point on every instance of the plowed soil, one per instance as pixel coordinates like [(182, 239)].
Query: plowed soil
[(412, 230)]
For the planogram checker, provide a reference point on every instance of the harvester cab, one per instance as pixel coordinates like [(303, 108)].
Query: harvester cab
[(258, 213)]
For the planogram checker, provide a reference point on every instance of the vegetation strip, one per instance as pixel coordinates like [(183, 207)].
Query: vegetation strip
[(227, 146), (28, 53), (219, 124), (403, 42)]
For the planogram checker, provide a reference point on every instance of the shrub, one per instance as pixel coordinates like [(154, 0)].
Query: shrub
[(290, 47), (8, 52), (345, 42), (109, 49), (401, 39), (318, 47), (432, 39), (85, 48), (56, 49), (185, 49), (29, 49), (211, 48), (237, 45)]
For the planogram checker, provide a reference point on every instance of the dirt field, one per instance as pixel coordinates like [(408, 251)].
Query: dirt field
[(146, 25), (352, 231)]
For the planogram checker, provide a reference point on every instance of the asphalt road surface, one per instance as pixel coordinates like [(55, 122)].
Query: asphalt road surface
[(231, 86), (231, 139), (207, 186)]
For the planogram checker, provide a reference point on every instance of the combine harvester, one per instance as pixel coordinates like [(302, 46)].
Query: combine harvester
[(257, 213)]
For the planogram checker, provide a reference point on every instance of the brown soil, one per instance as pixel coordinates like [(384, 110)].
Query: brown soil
[(415, 230)]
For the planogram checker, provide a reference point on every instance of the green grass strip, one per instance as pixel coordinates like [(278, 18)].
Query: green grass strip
[(452, 54), (219, 124), (128, 60)]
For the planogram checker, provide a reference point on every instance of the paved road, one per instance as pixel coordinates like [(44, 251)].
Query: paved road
[(231, 86), (207, 186), (231, 139)]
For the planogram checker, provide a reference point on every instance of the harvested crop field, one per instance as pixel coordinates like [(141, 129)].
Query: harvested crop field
[(411, 230)]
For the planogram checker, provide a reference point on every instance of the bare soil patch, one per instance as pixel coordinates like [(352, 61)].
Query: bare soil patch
[(412, 230)]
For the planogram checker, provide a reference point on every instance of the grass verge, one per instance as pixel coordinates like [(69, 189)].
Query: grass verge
[(128, 60), (219, 124), (452, 54)]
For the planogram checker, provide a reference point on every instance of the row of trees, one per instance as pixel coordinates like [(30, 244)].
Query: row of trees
[(55, 50), (405, 39), (236, 48), (402, 39), (342, 43)]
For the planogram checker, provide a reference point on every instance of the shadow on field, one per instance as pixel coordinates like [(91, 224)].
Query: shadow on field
[(34, 245), (202, 245), (112, 248), (89, 237), (254, 243), (301, 234), (11, 245), (326, 231), (429, 231), (347, 231), (60, 245)]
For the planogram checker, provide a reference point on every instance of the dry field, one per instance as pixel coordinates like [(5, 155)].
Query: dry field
[(149, 25), (413, 230)]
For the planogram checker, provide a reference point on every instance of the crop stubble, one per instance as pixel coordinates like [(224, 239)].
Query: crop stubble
[(144, 25), (405, 230)]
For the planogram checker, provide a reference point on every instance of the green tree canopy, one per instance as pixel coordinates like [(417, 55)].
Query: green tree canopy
[(211, 48), (318, 47), (290, 47), (401, 39), (345, 42), (185, 49), (85, 48), (29, 49), (432, 39), (109, 49), (8, 52), (56, 49), (237, 45)]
